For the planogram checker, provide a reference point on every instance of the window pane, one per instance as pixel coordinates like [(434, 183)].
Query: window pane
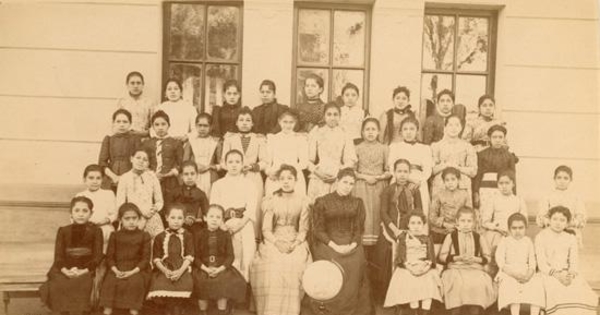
[(313, 36), (223, 32), (216, 75), (301, 75), (472, 44), (431, 85), (186, 32), (189, 76), (468, 90), (341, 77), (349, 38), (438, 42)]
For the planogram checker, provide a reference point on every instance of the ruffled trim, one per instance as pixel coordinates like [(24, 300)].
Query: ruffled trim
[(179, 234), (165, 293)]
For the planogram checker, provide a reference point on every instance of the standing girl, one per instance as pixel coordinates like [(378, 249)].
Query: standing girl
[(172, 255), (237, 195), (452, 151), (518, 282), (117, 149), (286, 147), (266, 115), (181, 113), (392, 118), (433, 128), (77, 252), (214, 276), (142, 188), (282, 258), (490, 162), (205, 150), (329, 150), (415, 279), (225, 117), (352, 115), (468, 289), (137, 104), (418, 154), (311, 109), (557, 253), (397, 201), (128, 259), (477, 131), (562, 196), (371, 179)]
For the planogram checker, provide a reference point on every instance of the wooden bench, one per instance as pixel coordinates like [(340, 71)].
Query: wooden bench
[(19, 288)]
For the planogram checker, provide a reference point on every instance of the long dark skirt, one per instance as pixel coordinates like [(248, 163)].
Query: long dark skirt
[(62, 294), (229, 284), (128, 293), (355, 296), (383, 265)]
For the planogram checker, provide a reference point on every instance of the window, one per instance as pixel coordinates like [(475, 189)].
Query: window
[(458, 54), (332, 43), (202, 48)]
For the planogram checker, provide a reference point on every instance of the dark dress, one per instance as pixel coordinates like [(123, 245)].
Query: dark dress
[(397, 201), (126, 251), (172, 248), (224, 119), (193, 199), (266, 117), (116, 152), (77, 245), (492, 161), (310, 114), (170, 157), (214, 249), (433, 127), (394, 117), (341, 219)]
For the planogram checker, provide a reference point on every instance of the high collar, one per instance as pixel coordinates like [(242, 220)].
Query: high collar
[(402, 111), (411, 142)]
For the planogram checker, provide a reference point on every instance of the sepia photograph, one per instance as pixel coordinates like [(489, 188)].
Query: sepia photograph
[(300, 157)]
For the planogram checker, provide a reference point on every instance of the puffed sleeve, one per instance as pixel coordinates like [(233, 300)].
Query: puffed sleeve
[(97, 247), (145, 258), (470, 168), (104, 156), (303, 220), (111, 251), (359, 222), (59, 249), (318, 217), (188, 246)]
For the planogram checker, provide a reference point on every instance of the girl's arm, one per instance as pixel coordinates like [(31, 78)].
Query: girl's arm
[(418, 205), (96, 250), (385, 206), (480, 171), (267, 226), (157, 193), (188, 250), (226, 148), (540, 253), (318, 217), (531, 261), (487, 215), (349, 157), (302, 151), (573, 255), (59, 250), (312, 151), (542, 219), (188, 153), (146, 248), (427, 165), (400, 258), (438, 166), (215, 163), (112, 210), (104, 157), (445, 256), (431, 251), (580, 214), (303, 224), (228, 251), (111, 251), (500, 256), (122, 191), (470, 168), (262, 153), (435, 217), (486, 252), (158, 252), (270, 169), (383, 124)]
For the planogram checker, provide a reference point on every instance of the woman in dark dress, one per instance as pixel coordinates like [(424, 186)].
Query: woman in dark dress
[(77, 252), (338, 224)]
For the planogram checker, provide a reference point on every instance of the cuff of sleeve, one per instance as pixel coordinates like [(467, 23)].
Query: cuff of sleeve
[(156, 260), (189, 258)]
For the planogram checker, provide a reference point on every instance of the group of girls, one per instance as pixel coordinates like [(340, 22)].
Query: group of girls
[(217, 206)]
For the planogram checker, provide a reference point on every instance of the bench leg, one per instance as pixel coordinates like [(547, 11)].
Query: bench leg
[(6, 300)]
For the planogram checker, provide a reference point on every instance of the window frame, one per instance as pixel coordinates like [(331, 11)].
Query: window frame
[(490, 73), (330, 67), (166, 41)]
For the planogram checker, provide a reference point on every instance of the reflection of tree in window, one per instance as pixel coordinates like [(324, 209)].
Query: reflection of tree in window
[(439, 41), (222, 32)]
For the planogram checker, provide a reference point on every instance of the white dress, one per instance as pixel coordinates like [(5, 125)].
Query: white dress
[(237, 192), (104, 207), (204, 150), (568, 199), (140, 109), (495, 211), (456, 152), (351, 121), (182, 116), (290, 149)]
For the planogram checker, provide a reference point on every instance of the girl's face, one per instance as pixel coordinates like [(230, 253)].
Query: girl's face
[(93, 180), (465, 222), (497, 139), (287, 123), (445, 104), (140, 161), (81, 213), (234, 164), (287, 181), (160, 126), (203, 127), (370, 132), (173, 92), (345, 185), (189, 175), (487, 108), (244, 123), (409, 132), (453, 127), (401, 100), (505, 185), (121, 124), (175, 219), (558, 222), (232, 95), (266, 94), (332, 117), (517, 229), (401, 173), (312, 89), (562, 180), (135, 86), (350, 97), (451, 182), (129, 220), (415, 224), (213, 218)]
